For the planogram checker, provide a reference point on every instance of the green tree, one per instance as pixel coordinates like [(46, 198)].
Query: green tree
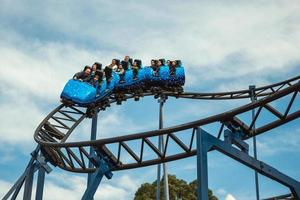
[(178, 189)]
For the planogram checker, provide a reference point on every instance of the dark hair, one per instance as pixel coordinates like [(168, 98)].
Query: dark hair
[(138, 62), (86, 67), (163, 61), (130, 61), (124, 65), (98, 65), (178, 62), (117, 61), (155, 61), (99, 73)]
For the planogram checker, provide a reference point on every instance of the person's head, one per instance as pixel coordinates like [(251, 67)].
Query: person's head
[(120, 66), (134, 64), (159, 63), (87, 70), (162, 61), (137, 63), (173, 63), (153, 62), (126, 58), (117, 62), (178, 63), (113, 61), (98, 75), (96, 66), (124, 64), (168, 62)]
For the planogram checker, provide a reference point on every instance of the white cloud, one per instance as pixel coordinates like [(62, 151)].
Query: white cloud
[(230, 197), (286, 141)]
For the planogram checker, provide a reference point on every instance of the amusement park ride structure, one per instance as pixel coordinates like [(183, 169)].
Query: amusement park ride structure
[(102, 157)]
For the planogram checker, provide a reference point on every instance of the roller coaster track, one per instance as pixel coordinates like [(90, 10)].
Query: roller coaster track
[(55, 129)]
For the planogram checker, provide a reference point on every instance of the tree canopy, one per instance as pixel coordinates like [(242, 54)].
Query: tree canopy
[(178, 189)]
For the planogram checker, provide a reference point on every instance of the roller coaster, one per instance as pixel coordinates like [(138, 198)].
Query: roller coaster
[(102, 157)]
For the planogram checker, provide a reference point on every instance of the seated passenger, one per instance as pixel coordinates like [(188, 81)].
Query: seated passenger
[(128, 61), (178, 63), (153, 63), (172, 67), (137, 64), (159, 63), (108, 73), (154, 66), (85, 75), (96, 66), (168, 63), (121, 72), (114, 64), (97, 79)]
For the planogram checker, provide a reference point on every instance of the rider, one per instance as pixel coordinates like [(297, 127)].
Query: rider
[(137, 64), (114, 64), (97, 79), (128, 61), (154, 66), (84, 75), (159, 63), (110, 68), (96, 66), (178, 63), (121, 71), (172, 67)]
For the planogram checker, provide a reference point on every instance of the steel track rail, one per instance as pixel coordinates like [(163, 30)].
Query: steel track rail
[(52, 135)]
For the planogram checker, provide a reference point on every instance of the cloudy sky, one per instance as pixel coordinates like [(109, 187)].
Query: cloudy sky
[(223, 45)]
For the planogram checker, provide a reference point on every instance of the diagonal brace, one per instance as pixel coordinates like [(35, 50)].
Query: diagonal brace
[(103, 169), (242, 157)]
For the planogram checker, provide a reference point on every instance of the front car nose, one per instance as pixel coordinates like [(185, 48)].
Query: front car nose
[(79, 92)]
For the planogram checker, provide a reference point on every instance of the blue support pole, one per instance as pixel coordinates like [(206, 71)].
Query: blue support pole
[(253, 99), (213, 143), (16, 187), (161, 145), (28, 183), (14, 191), (202, 174), (103, 169), (93, 137), (40, 184)]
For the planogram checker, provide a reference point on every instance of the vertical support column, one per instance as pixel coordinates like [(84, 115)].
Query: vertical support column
[(202, 174), (161, 145), (253, 99), (40, 184), (93, 137), (28, 183)]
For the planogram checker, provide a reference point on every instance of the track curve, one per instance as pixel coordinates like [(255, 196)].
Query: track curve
[(55, 129)]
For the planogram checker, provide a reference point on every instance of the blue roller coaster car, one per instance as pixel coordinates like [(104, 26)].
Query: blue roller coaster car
[(84, 94)]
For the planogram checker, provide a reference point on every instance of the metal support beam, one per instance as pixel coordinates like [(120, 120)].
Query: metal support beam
[(36, 163), (28, 183), (93, 137), (161, 145), (253, 99), (15, 189), (42, 168), (103, 169), (214, 143), (202, 174), (40, 184)]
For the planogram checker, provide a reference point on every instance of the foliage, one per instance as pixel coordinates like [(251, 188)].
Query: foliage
[(178, 189)]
